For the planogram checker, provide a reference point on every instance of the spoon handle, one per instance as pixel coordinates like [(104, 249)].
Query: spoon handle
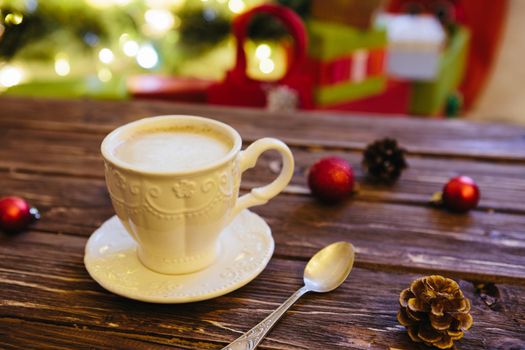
[(252, 338)]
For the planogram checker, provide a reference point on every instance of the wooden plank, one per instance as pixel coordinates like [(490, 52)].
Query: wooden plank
[(479, 245), (429, 137), (78, 154), (17, 333), (55, 288)]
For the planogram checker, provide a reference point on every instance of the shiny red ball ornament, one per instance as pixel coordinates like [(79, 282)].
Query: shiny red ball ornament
[(16, 214), (460, 194), (331, 179)]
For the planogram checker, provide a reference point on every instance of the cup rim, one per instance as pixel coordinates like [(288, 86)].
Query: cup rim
[(111, 158)]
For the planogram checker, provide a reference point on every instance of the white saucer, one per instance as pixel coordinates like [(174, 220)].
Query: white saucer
[(111, 260)]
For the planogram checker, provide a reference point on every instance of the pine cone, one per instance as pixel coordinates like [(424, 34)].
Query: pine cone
[(434, 311), (384, 161)]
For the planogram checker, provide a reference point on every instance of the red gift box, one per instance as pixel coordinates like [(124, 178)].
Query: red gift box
[(352, 67)]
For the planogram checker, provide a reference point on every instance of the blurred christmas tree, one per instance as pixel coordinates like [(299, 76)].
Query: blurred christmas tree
[(87, 47)]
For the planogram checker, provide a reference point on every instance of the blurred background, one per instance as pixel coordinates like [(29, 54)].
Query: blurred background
[(429, 58)]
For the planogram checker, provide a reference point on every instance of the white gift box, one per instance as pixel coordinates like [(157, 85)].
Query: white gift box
[(415, 45)]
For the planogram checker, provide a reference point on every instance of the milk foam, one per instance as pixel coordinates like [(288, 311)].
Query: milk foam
[(173, 150)]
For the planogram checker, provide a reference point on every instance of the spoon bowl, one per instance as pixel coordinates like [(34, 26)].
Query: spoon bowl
[(329, 267)]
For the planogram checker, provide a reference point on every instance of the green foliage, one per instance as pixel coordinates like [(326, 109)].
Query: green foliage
[(266, 27), (33, 26), (301, 7), (203, 27), (85, 25)]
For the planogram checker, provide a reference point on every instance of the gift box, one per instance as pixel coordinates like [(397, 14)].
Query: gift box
[(415, 45), (354, 67), (338, 65), (331, 40), (355, 13), (428, 97), (346, 63), (394, 100)]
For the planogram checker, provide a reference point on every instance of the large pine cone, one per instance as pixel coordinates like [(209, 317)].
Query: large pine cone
[(434, 311)]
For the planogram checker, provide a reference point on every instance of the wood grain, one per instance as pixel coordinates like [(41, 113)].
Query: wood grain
[(49, 154), (329, 129), (56, 289), (480, 245), (78, 154)]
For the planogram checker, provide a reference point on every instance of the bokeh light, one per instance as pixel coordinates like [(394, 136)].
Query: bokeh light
[(236, 6), (14, 18), (158, 20), (62, 66), (147, 57), (267, 66), (10, 76), (130, 48), (106, 55), (263, 51)]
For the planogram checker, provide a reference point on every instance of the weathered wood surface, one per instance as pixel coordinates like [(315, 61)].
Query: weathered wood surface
[(49, 153), (426, 137), (56, 290), (394, 236), (77, 154)]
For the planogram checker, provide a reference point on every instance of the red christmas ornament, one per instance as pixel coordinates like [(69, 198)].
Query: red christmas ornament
[(16, 214), (331, 179), (460, 194)]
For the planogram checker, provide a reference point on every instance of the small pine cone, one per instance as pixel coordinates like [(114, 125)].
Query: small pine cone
[(434, 311), (384, 161)]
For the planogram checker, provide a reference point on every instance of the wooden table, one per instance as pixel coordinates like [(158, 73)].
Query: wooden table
[(49, 154)]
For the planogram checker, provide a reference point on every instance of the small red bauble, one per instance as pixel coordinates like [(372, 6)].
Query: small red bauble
[(331, 179), (16, 214), (460, 194)]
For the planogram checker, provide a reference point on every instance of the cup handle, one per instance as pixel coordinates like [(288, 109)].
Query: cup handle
[(248, 159)]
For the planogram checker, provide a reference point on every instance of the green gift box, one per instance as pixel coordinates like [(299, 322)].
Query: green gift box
[(331, 40), (329, 95), (428, 98), (330, 43)]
